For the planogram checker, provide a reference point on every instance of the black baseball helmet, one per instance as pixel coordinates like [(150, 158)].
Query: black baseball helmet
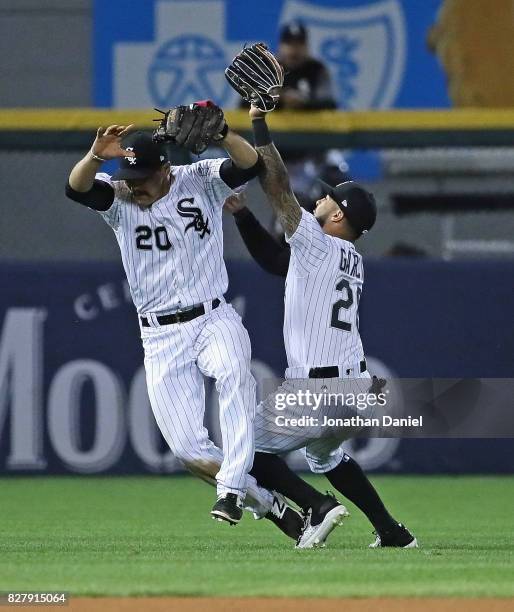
[(149, 156), (357, 204)]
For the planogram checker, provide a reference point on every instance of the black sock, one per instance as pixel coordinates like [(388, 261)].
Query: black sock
[(349, 479), (273, 473)]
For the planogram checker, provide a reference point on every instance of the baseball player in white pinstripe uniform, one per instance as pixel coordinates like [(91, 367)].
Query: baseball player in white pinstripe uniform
[(321, 335), (323, 346), (167, 220)]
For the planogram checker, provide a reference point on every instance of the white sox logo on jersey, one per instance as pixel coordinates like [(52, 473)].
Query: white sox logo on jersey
[(199, 224)]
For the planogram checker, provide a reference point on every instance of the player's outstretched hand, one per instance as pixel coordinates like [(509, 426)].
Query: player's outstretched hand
[(236, 202), (255, 113), (107, 144)]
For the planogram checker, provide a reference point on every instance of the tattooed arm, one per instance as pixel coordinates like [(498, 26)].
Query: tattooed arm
[(274, 177)]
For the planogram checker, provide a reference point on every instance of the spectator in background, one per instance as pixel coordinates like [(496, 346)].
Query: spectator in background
[(307, 83)]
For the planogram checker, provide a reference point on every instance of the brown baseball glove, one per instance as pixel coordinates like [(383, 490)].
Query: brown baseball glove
[(194, 126)]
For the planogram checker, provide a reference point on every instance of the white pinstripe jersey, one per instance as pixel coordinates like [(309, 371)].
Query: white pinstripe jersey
[(172, 252), (323, 288)]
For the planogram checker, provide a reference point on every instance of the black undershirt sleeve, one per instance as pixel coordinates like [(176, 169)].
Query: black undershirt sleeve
[(234, 177), (99, 197), (271, 256)]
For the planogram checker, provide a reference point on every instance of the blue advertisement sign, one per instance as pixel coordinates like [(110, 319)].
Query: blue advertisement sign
[(73, 395), (167, 52)]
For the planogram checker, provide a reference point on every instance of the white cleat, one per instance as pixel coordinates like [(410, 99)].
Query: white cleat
[(314, 536)]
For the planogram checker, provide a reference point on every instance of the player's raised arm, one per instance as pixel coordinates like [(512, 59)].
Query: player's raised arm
[(201, 124), (258, 77), (244, 163), (240, 151), (274, 177), (271, 255), (107, 145)]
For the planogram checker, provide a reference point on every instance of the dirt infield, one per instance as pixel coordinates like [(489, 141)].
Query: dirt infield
[(250, 604)]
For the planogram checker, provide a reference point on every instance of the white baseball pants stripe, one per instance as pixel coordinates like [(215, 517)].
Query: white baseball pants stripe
[(176, 358)]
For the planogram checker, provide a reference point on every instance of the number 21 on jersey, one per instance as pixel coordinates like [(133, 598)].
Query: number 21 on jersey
[(345, 303)]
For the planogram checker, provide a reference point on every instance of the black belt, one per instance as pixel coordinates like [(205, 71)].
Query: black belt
[(333, 371), (183, 316)]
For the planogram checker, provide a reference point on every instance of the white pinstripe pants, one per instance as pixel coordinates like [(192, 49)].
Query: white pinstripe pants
[(176, 358), (321, 445)]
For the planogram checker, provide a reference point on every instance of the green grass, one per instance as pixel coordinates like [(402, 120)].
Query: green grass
[(137, 536)]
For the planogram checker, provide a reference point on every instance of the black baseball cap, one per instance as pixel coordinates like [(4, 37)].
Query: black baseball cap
[(293, 32), (357, 203), (149, 156)]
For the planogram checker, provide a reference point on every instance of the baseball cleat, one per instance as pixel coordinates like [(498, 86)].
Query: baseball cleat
[(285, 517), (320, 522), (228, 508), (397, 537)]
